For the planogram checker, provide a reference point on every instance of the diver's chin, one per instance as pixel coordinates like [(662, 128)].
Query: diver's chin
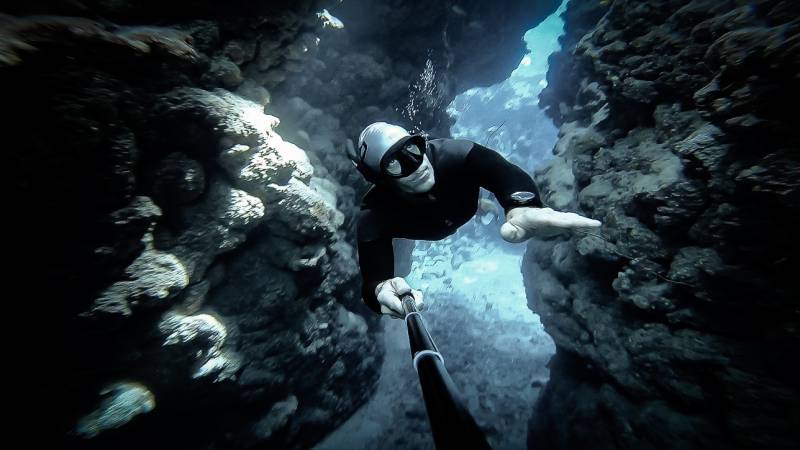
[(429, 184), (425, 186), (418, 188)]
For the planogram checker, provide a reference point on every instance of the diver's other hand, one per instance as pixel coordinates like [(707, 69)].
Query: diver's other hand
[(389, 293), (525, 222)]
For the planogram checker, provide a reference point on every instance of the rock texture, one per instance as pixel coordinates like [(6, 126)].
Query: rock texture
[(194, 263), (676, 324), (397, 61)]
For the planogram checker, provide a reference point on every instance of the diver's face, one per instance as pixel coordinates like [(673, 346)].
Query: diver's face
[(420, 181)]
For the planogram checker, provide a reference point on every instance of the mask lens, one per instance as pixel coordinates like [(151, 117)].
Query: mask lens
[(413, 150), (394, 168)]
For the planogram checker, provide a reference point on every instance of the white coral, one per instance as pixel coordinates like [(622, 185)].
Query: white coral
[(122, 402), (181, 329), (152, 277)]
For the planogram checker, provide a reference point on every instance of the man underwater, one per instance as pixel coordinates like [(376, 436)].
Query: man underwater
[(426, 189)]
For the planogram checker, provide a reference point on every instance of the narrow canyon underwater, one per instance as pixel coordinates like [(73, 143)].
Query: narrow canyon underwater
[(593, 203)]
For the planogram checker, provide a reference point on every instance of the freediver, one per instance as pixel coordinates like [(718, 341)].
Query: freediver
[(425, 189)]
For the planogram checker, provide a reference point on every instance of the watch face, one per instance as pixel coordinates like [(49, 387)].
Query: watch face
[(522, 196)]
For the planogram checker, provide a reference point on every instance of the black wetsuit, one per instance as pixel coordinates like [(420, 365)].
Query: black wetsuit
[(460, 169)]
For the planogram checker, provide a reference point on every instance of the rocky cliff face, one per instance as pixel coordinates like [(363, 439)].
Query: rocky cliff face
[(195, 268), (675, 324)]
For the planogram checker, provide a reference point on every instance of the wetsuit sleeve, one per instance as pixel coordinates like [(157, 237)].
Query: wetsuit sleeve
[(376, 260), (375, 257), (495, 174)]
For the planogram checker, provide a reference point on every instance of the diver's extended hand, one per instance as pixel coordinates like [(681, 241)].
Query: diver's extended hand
[(525, 222), (390, 292)]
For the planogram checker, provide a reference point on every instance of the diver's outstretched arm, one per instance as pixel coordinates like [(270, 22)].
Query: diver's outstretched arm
[(523, 222), (500, 177)]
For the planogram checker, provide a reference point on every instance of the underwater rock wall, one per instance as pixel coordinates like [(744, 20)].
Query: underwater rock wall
[(676, 324), (399, 61), (196, 286)]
